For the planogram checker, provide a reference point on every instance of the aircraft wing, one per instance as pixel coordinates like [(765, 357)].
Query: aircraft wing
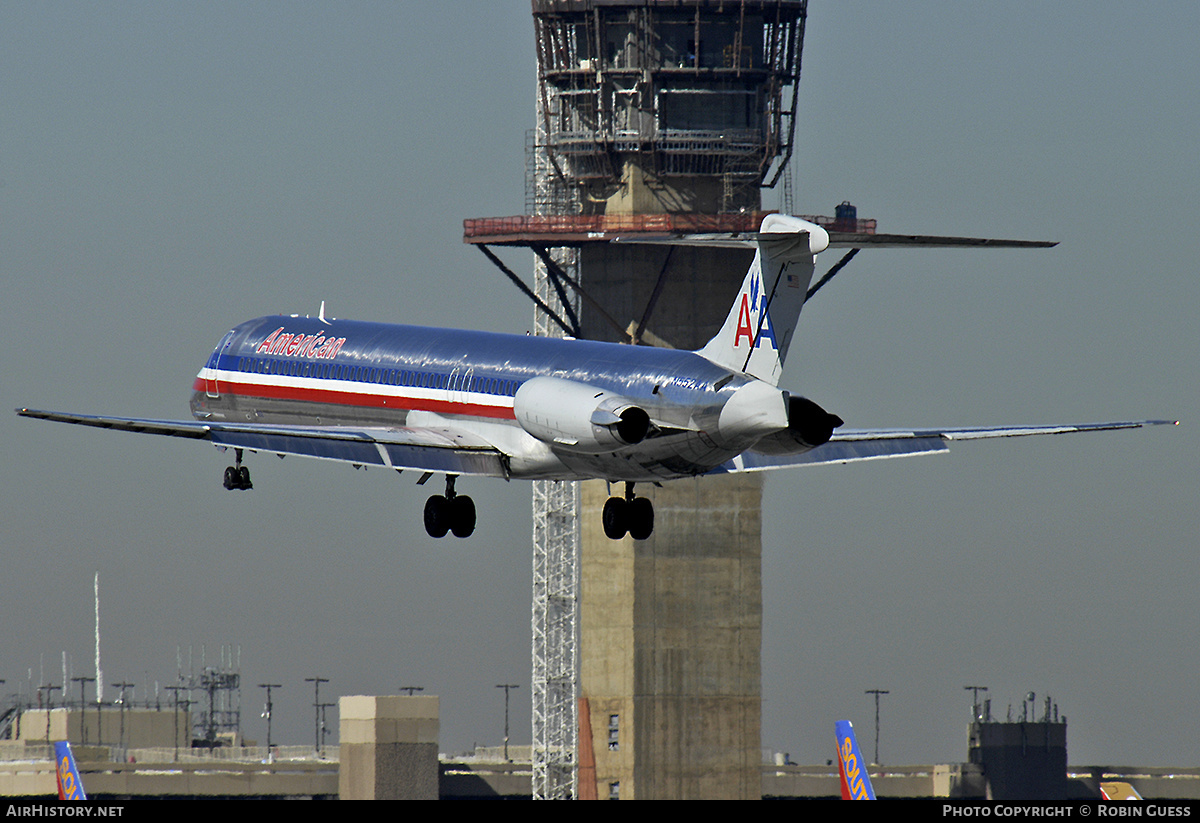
[(434, 449), (851, 445)]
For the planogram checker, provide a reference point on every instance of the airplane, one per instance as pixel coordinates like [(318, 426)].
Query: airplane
[(70, 785), (455, 403), (852, 769)]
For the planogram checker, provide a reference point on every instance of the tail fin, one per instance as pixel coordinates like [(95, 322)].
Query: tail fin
[(70, 786), (1119, 791), (759, 328), (856, 783)]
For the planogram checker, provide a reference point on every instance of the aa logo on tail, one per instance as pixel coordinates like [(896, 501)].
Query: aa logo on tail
[(753, 308)]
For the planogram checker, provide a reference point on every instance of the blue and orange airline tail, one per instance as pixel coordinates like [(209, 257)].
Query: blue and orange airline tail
[(856, 783), (70, 787)]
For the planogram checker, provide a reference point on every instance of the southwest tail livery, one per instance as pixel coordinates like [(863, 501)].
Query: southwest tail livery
[(70, 786), (467, 403), (856, 783)]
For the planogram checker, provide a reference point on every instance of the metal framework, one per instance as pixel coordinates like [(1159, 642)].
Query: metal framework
[(555, 618), (219, 722), (687, 88), (555, 638)]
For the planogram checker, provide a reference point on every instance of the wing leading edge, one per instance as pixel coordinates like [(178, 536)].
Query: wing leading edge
[(852, 445), (425, 449), (453, 451)]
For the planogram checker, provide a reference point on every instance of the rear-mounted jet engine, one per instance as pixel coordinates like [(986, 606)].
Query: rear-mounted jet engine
[(578, 417)]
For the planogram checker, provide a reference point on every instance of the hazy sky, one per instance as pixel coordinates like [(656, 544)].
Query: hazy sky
[(168, 170)]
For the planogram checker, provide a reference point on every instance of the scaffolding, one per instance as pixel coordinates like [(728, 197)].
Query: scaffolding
[(682, 88), (555, 634)]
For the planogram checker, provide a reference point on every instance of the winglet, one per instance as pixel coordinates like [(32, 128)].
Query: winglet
[(856, 783), (70, 786)]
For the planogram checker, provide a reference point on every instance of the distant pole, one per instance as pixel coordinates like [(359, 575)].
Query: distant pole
[(975, 690), (324, 728), (175, 690), (411, 689), (50, 688), (507, 688), (876, 692), (316, 681), (122, 686), (82, 714), (267, 714)]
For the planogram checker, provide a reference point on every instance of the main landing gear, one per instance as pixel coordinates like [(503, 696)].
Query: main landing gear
[(634, 515), (450, 513), (237, 476)]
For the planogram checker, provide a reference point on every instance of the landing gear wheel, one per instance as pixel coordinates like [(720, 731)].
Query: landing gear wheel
[(437, 516), (462, 516), (640, 515), (615, 518), (237, 478)]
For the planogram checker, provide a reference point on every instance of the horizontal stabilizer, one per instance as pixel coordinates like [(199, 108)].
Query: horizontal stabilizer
[(855, 240), (837, 240)]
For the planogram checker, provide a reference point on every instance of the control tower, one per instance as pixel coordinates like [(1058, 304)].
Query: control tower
[(653, 117), (683, 106)]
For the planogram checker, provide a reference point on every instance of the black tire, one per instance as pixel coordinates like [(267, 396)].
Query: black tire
[(462, 516), (231, 478), (615, 518), (244, 478), (437, 516), (641, 518)]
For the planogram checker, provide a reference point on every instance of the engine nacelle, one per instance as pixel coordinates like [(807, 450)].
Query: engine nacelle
[(578, 417), (809, 426)]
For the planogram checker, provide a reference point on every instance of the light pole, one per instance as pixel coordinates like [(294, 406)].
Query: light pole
[(507, 688), (975, 690), (317, 681), (122, 686), (82, 714), (175, 690), (267, 714), (876, 692), (50, 689)]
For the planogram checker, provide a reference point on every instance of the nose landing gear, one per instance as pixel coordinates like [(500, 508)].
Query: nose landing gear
[(450, 512)]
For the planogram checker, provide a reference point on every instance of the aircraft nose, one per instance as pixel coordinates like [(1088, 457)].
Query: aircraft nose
[(755, 410)]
